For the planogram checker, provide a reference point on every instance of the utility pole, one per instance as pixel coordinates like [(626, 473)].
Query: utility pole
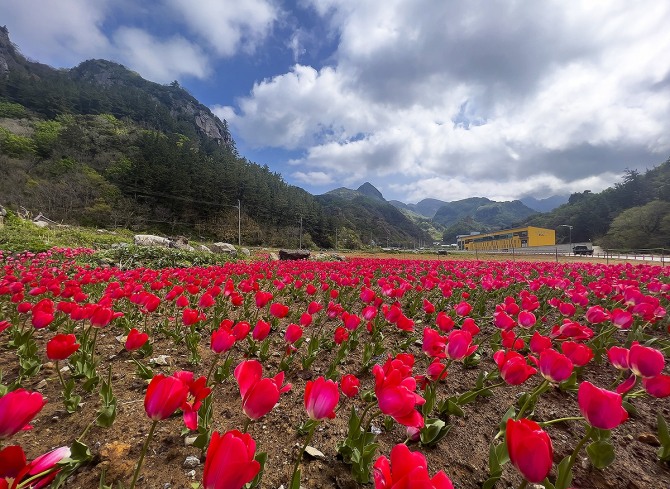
[(239, 223), (300, 239)]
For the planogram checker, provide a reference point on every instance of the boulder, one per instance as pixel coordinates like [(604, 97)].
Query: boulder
[(273, 256), (293, 254), (181, 243), (204, 249), (245, 251), (151, 240), (223, 248)]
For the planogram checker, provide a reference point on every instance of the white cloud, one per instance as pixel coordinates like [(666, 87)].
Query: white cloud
[(159, 60), (228, 25), (313, 177), (542, 96), (59, 33)]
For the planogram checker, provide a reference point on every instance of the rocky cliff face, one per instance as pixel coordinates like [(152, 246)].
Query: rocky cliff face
[(106, 74)]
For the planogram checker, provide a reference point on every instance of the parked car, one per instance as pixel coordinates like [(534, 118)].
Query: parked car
[(582, 250)]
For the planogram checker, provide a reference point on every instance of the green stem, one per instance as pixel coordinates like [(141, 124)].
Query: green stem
[(524, 484), (211, 370), (143, 453), (245, 427), (530, 397), (299, 459), (60, 375), (365, 411), (374, 415), (579, 446), (26, 483), (560, 420)]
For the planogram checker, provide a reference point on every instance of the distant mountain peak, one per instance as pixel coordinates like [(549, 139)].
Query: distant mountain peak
[(370, 190)]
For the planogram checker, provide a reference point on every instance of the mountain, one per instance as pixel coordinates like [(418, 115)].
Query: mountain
[(479, 214), (426, 207), (100, 146), (545, 205), (371, 191)]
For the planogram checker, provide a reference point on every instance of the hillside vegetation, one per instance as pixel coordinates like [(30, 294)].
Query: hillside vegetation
[(98, 145)]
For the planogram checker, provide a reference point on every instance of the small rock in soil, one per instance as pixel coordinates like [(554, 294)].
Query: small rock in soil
[(190, 440), (191, 474), (649, 439), (160, 360), (314, 453), (191, 462), (42, 384)]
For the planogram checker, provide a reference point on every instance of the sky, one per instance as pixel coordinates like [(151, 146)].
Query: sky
[(423, 98)]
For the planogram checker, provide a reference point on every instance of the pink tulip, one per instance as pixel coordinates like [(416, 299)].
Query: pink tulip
[(555, 367), (433, 344), (618, 357), (527, 319), (17, 409), (622, 319), (321, 397), (459, 345), (261, 330), (601, 408), (529, 448), (539, 343), (645, 361)]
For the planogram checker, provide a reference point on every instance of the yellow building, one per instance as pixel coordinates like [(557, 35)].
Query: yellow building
[(506, 239)]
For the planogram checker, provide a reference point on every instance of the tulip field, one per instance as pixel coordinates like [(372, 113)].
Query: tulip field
[(382, 373)]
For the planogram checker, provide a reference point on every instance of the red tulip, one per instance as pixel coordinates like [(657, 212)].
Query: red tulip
[(164, 396), (463, 308), (596, 315), (436, 371), (279, 310), (433, 343), (513, 367), (555, 367), (230, 462), (191, 316), (444, 322), (262, 298), (197, 392), (658, 386), (4, 325), (538, 343), (241, 330), (259, 395), (395, 389), (601, 408), (305, 319), (314, 307), (43, 469), (502, 320), (341, 335), (407, 470), (101, 316), (321, 397), (645, 361), (222, 340), (369, 312), (470, 326), (62, 346), (261, 330), (293, 333), (136, 340), (17, 408), (529, 448), (579, 353), (12, 460), (428, 307), (350, 385)]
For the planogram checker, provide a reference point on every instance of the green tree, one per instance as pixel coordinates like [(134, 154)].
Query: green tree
[(646, 226)]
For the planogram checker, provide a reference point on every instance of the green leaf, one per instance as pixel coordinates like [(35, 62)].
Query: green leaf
[(601, 453), (664, 437), (564, 474), (261, 458), (295, 480), (434, 430), (491, 482)]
